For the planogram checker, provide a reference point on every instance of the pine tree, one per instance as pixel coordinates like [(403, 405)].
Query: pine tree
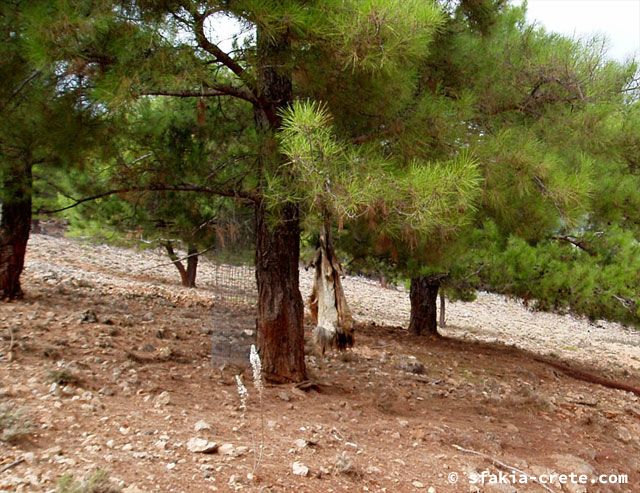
[(43, 123), (165, 145), (553, 122), (499, 90), (301, 49)]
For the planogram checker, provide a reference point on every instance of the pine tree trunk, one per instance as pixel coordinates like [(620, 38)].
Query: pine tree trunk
[(176, 261), (14, 229), (424, 297), (329, 309), (443, 317), (192, 266), (280, 307)]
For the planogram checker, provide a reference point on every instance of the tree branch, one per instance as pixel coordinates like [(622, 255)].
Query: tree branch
[(628, 304), (158, 188), (214, 49), (581, 244), (19, 89), (175, 260), (209, 91)]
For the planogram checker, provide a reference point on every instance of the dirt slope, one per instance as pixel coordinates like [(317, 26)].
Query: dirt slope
[(396, 414)]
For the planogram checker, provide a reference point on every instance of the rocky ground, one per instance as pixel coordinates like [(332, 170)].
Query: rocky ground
[(106, 364)]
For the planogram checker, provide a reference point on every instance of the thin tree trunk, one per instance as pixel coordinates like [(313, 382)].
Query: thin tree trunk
[(443, 318), (176, 261), (424, 297), (192, 266), (329, 309), (280, 307), (14, 229)]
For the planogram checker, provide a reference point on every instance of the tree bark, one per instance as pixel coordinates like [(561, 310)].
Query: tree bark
[(329, 309), (443, 317), (280, 307), (192, 266), (424, 297), (188, 275), (14, 229), (176, 261)]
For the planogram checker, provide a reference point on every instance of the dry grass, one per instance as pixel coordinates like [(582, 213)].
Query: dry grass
[(98, 482)]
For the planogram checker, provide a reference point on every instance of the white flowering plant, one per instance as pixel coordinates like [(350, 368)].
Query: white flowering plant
[(243, 393)]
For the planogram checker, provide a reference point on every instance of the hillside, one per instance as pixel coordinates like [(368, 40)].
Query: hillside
[(505, 387)]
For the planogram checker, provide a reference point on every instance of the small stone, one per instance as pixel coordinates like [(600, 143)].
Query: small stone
[(226, 449), (417, 484), (201, 426), (132, 489), (68, 390), (431, 490), (171, 465), (511, 428), (106, 391), (300, 443), (299, 469), (240, 451), (201, 446), (569, 463), (55, 389), (163, 399), (165, 352), (283, 396), (624, 435), (88, 317), (67, 461), (412, 365), (127, 447), (50, 452)]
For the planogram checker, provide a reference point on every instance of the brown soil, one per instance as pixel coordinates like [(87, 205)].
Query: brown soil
[(372, 421)]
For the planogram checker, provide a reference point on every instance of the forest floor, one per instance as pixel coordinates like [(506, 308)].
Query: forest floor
[(129, 390)]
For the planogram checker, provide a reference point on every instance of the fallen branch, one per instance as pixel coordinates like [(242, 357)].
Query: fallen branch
[(11, 464), (588, 377), (501, 464)]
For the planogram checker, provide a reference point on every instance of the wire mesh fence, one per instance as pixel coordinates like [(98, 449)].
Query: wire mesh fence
[(235, 285), (234, 314)]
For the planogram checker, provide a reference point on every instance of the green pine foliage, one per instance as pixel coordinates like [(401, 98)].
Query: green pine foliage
[(595, 275)]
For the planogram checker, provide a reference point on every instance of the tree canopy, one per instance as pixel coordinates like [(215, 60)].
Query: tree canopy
[(448, 143)]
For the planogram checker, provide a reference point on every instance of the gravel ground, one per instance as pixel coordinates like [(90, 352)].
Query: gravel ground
[(111, 368), (491, 318)]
